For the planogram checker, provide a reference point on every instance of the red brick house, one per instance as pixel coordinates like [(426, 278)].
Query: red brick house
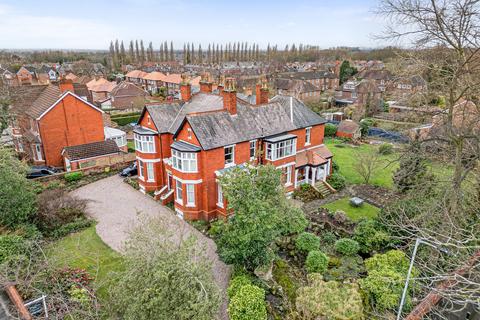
[(182, 148), (49, 118)]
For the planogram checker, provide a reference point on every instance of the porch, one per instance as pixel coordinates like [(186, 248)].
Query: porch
[(311, 174)]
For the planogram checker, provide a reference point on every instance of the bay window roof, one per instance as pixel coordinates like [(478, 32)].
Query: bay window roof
[(280, 137), (184, 147), (143, 130)]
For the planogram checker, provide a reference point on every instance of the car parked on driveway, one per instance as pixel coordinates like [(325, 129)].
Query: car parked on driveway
[(129, 171), (41, 171)]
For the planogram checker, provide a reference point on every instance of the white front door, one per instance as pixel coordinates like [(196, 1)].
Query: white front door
[(38, 152)]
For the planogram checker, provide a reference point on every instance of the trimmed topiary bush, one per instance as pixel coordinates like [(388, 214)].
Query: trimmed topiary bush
[(371, 236), (236, 283), (307, 242), (317, 262), (248, 304), (347, 247), (337, 181), (330, 130), (73, 176)]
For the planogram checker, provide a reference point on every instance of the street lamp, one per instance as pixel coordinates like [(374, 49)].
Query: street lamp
[(405, 288)]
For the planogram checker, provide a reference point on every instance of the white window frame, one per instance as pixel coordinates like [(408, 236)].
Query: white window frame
[(288, 180), (140, 169), (190, 190), (144, 143), (37, 152), (178, 192), (254, 147), (308, 136), (232, 162), (150, 172), (274, 150), (219, 195), (184, 161)]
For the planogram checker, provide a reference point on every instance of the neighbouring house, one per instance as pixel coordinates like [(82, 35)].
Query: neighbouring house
[(333, 116), (71, 76), (365, 94), (102, 91), (48, 118), (322, 79), (46, 74), (26, 75), (349, 129), (183, 148), (154, 81), (382, 77), (299, 89), (8, 77), (172, 82), (404, 87), (127, 96), (136, 77)]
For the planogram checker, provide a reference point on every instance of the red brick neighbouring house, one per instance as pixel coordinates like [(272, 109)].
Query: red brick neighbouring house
[(183, 148), (51, 117)]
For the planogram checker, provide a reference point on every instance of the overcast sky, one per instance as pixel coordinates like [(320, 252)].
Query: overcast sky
[(91, 24)]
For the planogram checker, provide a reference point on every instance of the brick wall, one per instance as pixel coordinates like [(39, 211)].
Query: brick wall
[(71, 122)]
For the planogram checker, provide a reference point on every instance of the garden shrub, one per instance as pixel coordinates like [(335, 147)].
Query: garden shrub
[(347, 247), (328, 238), (283, 275), (57, 208), (337, 181), (371, 236), (346, 267), (335, 166), (248, 304), (330, 130), (385, 149), (73, 176), (385, 279), (216, 228), (12, 245), (306, 193), (329, 300), (317, 262), (236, 283), (307, 242), (74, 226)]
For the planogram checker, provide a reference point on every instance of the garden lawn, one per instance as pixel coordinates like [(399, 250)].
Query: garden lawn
[(354, 213), (86, 250), (345, 155)]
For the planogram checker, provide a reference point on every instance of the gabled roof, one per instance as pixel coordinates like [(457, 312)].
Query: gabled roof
[(125, 88), (136, 74), (298, 86), (308, 75), (173, 78), (155, 76), (90, 150), (215, 127), (35, 101)]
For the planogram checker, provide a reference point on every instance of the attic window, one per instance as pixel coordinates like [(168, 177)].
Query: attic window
[(189, 132), (148, 119)]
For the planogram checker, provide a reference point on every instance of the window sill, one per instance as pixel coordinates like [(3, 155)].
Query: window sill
[(308, 144), (288, 184), (150, 180), (228, 165), (190, 205), (220, 205), (141, 178), (180, 202)]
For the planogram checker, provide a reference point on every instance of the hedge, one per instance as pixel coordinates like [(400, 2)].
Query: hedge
[(73, 176), (122, 121)]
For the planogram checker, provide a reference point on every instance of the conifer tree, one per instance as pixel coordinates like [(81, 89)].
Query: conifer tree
[(142, 52), (137, 52), (172, 55), (131, 52), (123, 55)]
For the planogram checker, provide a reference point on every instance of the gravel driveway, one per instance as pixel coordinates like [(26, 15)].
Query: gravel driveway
[(117, 206)]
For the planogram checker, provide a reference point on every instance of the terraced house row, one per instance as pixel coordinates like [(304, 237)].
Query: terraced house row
[(183, 148)]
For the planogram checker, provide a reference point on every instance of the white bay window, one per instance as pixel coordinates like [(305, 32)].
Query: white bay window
[(184, 161), (145, 144), (280, 150)]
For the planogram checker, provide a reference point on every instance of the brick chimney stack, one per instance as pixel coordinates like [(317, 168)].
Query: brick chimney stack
[(185, 89), (261, 92), (221, 85), (205, 83), (66, 85), (230, 96)]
